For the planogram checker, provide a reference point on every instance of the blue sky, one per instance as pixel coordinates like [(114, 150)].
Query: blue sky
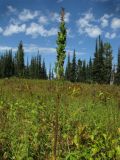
[(36, 23)]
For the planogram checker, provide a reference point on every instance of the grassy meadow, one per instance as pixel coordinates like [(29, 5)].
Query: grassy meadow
[(52, 120)]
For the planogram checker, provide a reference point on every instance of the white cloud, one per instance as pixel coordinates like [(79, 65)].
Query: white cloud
[(115, 24), (69, 33), (85, 20), (93, 31), (35, 30), (31, 48), (11, 8), (105, 20), (118, 8), (1, 30), (13, 29), (26, 15), (85, 25), (69, 51), (43, 20), (14, 21), (4, 48), (17, 24), (67, 17), (55, 17), (89, 16), (110, 36)]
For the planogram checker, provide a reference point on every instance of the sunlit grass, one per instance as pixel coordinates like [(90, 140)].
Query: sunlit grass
[(87, 121)]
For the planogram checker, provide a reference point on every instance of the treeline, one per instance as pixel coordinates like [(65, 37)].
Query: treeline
[(15, 65), (100, 69)]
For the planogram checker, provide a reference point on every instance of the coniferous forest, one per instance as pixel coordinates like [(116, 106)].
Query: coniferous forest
[(99, 69)]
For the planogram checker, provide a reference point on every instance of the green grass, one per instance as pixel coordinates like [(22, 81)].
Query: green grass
[(48, 120)]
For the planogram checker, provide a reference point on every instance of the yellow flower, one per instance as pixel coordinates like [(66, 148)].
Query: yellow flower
[(118, 130)]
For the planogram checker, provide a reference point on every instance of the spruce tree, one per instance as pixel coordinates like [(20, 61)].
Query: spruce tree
[(79, 71), (98, 62), (20, 60), (26, 73), (90, 68), (61, 44), (107, 63), (15, 65), (10, 64), (87, 73), (39, 66), (52, 76), (6, 64), (2, 67), (68, 69), (35, 67), (50, 73), (44, 72), (101, 76), (74, 68), (32, 68), (84, 72), (117, 75)]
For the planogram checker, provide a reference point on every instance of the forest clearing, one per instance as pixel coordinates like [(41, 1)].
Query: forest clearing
[(60, 86), (58, 120)]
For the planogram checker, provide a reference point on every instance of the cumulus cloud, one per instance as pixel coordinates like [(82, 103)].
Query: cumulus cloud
[(32, 23), (93, 31), (110, 36), (43, 20), (1, 30), (105, 20), (55, 17), (115, 24), (13, 29), (27, 14), (34, 48), (31, 48), (89, 16), (11, 8), (67, 17), (4, 48), (118, 8), (35, 30), (69, 33), (70, 52), (14, 21), (86, 26)]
